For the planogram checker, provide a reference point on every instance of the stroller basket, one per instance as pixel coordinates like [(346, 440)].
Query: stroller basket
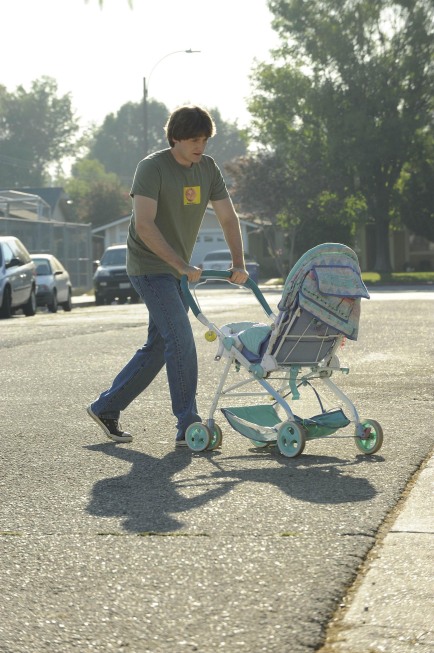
[(254, 422), (260, 422)]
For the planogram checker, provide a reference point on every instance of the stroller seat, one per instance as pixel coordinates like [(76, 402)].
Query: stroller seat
[(320, 304), (250, 338)]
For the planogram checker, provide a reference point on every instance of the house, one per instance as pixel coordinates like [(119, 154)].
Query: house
[(408, 252), (112, 233), (27, 206), (57, 199)]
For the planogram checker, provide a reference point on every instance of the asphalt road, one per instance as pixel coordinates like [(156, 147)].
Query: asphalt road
[(148, 549)]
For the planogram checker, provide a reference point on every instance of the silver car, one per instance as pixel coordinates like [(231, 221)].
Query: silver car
[(17, 278), (54, 287), (221, 259)]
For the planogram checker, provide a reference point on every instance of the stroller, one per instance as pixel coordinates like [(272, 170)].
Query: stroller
[(295, 350)]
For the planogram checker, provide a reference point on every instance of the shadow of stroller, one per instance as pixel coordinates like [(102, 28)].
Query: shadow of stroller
[(147, 497), (313, 479)]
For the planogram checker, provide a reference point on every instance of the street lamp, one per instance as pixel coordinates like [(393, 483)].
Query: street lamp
[(145, 92)]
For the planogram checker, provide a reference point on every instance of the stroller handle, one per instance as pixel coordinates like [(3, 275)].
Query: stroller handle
[(222, 274)]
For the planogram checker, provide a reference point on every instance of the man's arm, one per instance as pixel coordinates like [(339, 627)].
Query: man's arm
[(230, 224), (145, 211)]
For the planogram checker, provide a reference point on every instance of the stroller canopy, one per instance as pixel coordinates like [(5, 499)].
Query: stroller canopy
[(326, 282)]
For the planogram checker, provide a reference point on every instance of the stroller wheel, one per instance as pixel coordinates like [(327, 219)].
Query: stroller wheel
[(291, 438), (198, 436), (216, 437), (372, 438)]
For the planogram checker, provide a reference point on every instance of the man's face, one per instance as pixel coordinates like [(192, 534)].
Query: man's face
[(190, 150)]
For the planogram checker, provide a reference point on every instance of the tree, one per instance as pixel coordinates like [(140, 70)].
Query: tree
[(119, 142), (37, 129), (259, 181), (228, 143), (98, 197), (416, 196), (282, 191), (360, 72)]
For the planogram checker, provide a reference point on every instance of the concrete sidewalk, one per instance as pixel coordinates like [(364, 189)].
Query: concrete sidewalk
[(390, 608)]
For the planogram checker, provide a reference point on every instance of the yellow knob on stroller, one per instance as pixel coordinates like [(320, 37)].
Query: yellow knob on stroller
[(210, 336)]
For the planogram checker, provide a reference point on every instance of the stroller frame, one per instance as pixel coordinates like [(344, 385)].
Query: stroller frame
[(294, 349)]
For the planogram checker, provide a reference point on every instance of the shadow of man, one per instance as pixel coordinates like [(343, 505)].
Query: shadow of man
[(147, 497)]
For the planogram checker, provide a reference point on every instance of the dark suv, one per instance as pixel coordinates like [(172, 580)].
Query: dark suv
[(17, 278), (110, 280)]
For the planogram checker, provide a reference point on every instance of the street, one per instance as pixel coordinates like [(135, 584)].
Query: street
[(148, 549)]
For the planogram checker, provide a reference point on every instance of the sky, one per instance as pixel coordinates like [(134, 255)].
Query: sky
[(101, 55)]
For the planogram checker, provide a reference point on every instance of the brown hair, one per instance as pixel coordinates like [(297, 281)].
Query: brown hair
[(189, 122)]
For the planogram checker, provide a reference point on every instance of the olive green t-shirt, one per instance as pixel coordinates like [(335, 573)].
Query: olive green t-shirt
[(182, 195)]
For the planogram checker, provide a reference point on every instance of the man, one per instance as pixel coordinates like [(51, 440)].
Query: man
[(170, 191)]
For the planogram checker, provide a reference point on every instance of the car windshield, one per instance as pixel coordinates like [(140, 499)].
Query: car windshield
[(42, 266), (115, 257), (218, 256)]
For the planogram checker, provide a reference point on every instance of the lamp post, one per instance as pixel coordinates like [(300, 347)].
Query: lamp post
[(145, 93)]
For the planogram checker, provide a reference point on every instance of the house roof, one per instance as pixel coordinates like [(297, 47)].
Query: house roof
[(51, 195), (57, 199), (23, 205)]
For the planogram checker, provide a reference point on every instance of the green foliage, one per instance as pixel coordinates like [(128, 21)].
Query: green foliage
[(289, 188), (106, 202), (228, 143), (98, 197), (392, 279), (417, 191), (355, 77), (398, 278), (260, 184), (37, 129)]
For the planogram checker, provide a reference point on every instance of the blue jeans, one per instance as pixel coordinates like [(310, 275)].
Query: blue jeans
[(170, 341)]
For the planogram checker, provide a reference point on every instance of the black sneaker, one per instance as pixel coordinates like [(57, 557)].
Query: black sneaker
[(111, 427)]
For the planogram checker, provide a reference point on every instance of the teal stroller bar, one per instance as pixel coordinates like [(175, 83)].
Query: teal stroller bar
[(224, 275)]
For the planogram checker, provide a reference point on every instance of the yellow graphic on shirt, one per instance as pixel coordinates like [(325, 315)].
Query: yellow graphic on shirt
[(191, 195)]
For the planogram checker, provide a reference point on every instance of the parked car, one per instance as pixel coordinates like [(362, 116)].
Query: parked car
[(110, 280), (17, 278), (54, 285), (221, 259)]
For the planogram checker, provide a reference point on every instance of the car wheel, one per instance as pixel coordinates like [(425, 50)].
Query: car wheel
[(53, 305), (29, 308), (99, 299), (6, 307), (67, 306)]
